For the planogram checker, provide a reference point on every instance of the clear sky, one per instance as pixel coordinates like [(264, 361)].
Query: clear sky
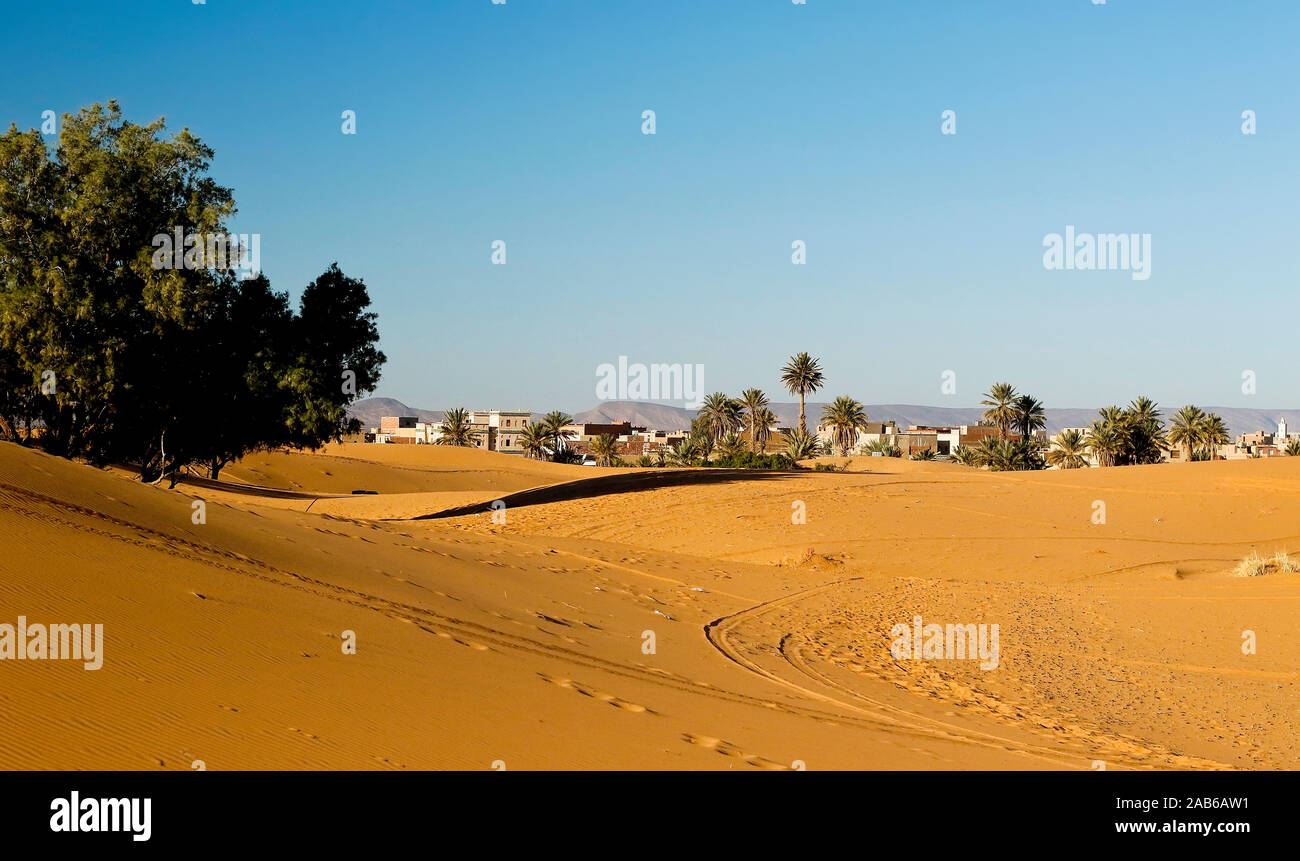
[(775, 122)]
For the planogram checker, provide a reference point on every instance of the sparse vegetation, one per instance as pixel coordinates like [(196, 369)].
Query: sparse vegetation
[(801, 445), (1255, 565)]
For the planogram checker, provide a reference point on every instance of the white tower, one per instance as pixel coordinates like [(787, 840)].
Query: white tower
[(1281, 429)]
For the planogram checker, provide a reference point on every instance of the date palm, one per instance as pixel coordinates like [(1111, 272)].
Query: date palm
[(1146, 432), (1214, 433), (1001, 402), (534, 440), (965, 455), (719, 416), (1105, 442), (731, 445), (801, 445), (762, 427), (753, 400), (1069, 452), (1186, 428), (1029, 415), (1293, 448), (801, 376), (684, 452), (605, 448), (846, 417), (556, 436), (456, 429), (1143, 409)]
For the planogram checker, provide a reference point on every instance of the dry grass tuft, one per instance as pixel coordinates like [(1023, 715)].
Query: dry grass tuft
[(1255, 565)]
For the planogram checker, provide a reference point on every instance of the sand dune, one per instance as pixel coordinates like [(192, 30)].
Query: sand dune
[(523, 643)]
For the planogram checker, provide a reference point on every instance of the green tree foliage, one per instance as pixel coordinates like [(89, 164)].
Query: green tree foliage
[(116, 358)]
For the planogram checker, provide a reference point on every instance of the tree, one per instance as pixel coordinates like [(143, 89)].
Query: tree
[(755, 401), (1214, 433), (155, 352), (605, 448), (846, 417), (337, 361), (701, 437), (456, 429), (1293, 448), (1001, 413), (535, 440), (556, 434), (1070, 451), (801, 445), (1104, 441), (731, 446), (720, 415), (965, 455), (79, 295), (1186, 428), (1144, 432), (1029, 415), (684, 452), (801, 376), (762, 429)]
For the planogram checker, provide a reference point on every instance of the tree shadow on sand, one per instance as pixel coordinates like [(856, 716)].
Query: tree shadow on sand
[(602, 485)]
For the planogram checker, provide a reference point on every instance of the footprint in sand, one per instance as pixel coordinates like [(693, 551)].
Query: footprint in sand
[(726, 748), (616, 702)]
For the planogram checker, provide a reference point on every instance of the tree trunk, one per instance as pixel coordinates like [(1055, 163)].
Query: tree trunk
[(803, 423)]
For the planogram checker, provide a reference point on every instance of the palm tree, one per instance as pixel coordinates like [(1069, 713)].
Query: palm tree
[(1293, 448), (605, 448), (802, 375), (456, 429), (923, 454), (1145, 438), (1185, 428), (762, 427), (1214, 433), (1105, 442), (1029, 415), (556, 435), (754, 401), (845, 416), (720, 415), (1001, 413), (885, 447), (801, 445), (1143, 409), (996, 454), (684, 452), (731, 445), (1070, 451), (965, 455), (534, 440)]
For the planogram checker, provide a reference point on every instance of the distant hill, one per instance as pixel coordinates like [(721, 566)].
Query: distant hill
[(666, 417), (370, 410)]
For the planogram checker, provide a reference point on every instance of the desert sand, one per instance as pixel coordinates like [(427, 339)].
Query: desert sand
[(524, 643)]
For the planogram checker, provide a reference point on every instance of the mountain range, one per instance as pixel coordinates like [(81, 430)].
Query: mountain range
[(665, 417)]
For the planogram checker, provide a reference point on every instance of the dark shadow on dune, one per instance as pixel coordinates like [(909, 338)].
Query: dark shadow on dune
[(603, 485)]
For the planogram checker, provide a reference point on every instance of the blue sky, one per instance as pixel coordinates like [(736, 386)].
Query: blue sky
[(774, 122)]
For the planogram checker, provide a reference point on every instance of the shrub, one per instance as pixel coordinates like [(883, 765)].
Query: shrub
[(1255, 565)]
